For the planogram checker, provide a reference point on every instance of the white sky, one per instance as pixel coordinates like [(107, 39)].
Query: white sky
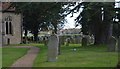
[(71, 22)]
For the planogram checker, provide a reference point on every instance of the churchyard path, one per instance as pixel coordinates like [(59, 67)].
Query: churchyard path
[(28, 59)]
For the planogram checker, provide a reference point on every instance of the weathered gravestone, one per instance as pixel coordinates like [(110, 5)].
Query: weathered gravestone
[(84, 40), (112, 44), (91, 40), (118, 65), (53, 48), (119, 45), (77, 39), (67, 41), (1, 34)]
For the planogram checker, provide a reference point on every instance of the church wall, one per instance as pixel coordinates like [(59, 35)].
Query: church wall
[(15, 37)]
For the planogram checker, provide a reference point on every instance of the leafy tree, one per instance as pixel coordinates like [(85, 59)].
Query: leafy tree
[(41, 15), (95, 18)]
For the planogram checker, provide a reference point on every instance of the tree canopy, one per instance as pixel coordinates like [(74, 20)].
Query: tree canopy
[(40, 16), (96, 19)]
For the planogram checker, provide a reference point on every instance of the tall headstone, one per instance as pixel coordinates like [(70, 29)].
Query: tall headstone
[(119, 45), (53, 48), (1, 28), (112, 44), (118, 52), (1, 37)]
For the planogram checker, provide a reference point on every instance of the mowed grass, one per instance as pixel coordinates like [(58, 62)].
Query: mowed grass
[(89, 56), (10, 55), (30, 44)]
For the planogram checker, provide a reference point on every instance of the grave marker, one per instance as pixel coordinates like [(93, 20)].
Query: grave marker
[(53, 48), (111, 44)]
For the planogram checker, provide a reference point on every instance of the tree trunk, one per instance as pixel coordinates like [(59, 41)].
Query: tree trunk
[(26, 32), (35, 35)]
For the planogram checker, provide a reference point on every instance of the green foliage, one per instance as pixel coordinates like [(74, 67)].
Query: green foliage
[(39, 16), (96, 19)]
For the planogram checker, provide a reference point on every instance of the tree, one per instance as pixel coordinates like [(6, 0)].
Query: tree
[(40, 15), (95, 18)]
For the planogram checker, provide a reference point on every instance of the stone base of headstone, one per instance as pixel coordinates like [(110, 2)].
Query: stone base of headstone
[(84, 41), (52, 56), (112, 44)]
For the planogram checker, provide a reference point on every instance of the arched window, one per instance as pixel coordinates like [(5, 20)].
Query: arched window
[(10, 28), (7, 28), (8, 23)]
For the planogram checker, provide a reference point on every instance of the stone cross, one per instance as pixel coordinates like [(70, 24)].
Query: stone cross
[(53, 48)]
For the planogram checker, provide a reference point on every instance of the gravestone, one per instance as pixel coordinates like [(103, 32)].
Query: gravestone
[(1, 28), (0, 34), (91, 40), (111, 44), (119, 45), (84, 41), (77, 39), (67, 41), (118, 53), (53, 48)]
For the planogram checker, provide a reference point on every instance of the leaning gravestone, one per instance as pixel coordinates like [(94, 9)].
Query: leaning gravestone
[(53, 48), (111, 44)]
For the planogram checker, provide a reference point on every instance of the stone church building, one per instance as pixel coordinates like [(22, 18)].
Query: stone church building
[(11, 25)]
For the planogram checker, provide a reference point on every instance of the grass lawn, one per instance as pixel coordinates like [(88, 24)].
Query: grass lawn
[(0, 57), (90, 56), (10, 55), (30, 44)]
